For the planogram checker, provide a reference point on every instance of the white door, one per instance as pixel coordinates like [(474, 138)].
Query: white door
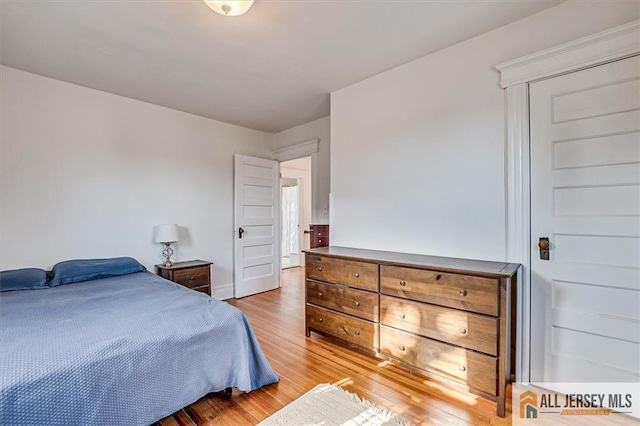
[(257, 234), (585, 197)]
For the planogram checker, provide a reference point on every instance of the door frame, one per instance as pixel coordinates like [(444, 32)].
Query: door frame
[(607, 46), (310, 148)]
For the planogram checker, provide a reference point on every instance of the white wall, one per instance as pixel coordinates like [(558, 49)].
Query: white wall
[(87, 174), (417, 154), (320, 162)]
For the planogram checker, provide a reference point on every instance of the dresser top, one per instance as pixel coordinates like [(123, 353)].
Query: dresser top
[(183, 265), (444, 264)]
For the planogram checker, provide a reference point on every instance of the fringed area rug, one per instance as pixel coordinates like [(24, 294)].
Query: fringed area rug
[(328, 405)]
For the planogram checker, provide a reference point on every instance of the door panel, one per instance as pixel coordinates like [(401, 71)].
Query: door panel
[(585, 196), (257, 212)]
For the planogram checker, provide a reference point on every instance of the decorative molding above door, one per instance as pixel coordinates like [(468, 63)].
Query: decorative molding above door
[(304, 149), (611, 45)]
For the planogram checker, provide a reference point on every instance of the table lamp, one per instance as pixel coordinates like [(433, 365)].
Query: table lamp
[(166, 234)]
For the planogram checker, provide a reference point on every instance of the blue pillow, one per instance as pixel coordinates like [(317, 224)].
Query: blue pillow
[(75, 271), (23, 279)]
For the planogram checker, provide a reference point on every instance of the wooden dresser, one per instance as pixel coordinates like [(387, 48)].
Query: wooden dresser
[(449, 319)]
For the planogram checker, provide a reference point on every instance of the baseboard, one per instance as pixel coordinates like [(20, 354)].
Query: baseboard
[(223, 292)]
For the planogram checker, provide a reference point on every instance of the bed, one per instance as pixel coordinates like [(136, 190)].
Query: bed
[(120, 350)]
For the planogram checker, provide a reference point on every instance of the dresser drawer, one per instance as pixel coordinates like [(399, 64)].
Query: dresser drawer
[(461, 328), (192, 277), (362, 275), (317, 242), (357, 331), (473, 369), (351, 301), (475, 294)]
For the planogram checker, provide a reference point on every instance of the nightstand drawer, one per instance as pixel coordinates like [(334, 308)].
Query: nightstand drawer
[(192, 277), (202, 289)]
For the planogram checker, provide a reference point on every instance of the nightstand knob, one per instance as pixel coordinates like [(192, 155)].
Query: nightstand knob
[(320, 234), (462, 368), (463, 292), (402, 348), (402, 316), (191, 278), (462, 330), (319, 268), (357, 303), (320, 320), (357, 275), (403, 283), (319, 294), (357, 332)]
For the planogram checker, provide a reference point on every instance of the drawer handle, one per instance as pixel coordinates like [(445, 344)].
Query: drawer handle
[(191, 278), (463, 292), (357, 303), (462, 330), (357, 332), (402, 283), (319, 294), (438, 277), (357, 275), (320, 234), (462, 368), (320, 320), (402, 316), (320, 268), (319, 241), (402, 348)]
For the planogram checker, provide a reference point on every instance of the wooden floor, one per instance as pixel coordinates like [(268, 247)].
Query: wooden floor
[(277, 318)]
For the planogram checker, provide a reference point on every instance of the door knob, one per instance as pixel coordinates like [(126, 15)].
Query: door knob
[(543, 245), (240, 232)]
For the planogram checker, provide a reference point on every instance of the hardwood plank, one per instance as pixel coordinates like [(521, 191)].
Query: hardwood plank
[(277, 318)]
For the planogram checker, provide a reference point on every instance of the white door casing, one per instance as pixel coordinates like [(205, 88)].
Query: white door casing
[(515, 76), (257, 221), (585, 197)]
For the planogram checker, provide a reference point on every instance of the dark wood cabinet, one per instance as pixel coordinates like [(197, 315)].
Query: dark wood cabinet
[(194, 274), (319, 235), (450, 319)]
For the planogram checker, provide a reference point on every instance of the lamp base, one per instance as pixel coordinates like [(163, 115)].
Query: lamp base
[(167, 253)]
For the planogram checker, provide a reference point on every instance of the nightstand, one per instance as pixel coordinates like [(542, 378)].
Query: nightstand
[(194, 274)]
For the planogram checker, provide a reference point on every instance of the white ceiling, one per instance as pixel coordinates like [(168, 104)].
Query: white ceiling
[(270, 69)]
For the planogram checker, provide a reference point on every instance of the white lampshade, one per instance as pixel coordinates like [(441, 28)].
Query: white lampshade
[(166, 233), (229, 7)]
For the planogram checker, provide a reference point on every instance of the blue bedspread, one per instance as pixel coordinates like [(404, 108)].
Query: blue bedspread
[(119, 351)]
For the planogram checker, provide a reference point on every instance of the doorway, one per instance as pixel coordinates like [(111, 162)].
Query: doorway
[(290, 206), (295, 187)]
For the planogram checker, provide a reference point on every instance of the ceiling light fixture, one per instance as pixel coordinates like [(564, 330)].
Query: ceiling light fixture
[(229, 7)]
